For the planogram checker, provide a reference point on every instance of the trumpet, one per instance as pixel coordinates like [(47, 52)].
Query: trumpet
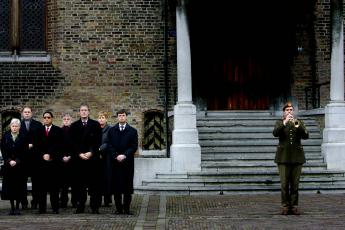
[(296, 123)]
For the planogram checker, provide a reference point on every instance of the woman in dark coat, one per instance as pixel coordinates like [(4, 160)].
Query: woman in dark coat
[(13, 146), (107, 167)]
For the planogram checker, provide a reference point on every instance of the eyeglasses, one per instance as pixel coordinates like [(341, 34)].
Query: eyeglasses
[(47, 117)]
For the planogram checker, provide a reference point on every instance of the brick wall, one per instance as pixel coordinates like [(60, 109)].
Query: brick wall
[(323, 52), (111, 53)]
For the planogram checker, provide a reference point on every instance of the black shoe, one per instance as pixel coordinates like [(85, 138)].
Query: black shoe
[(79, 210), (17, 212), (42, 211), (63, 205), (127, 212), (56, 212), (24, 206), (117, 212), (11, 213), (33, 205), (95, 211)]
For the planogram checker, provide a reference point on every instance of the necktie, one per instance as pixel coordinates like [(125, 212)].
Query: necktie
[(121, 127), (27, 125), (47, 131), (84, 123)]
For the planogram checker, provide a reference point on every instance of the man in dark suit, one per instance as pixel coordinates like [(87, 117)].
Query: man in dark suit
[(290, 157), (123, 143), (31, 129), (86, 136), (48, 164)]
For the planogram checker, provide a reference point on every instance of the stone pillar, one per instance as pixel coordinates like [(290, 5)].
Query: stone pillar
[(333, 146), (185, 148)]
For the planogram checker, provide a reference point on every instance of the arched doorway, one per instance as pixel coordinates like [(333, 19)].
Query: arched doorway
[(242, 53)]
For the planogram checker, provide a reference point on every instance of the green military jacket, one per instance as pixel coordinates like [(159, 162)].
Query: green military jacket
[(290, 149)]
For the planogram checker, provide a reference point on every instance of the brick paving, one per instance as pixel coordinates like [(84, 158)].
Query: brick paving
[(319, 211)]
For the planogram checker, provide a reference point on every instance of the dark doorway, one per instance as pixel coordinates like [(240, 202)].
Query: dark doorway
[(241, 52)]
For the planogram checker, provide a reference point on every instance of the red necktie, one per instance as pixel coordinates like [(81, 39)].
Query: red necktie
[(47, 131)]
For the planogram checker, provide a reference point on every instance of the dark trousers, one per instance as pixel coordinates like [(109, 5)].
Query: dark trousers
[(54, 199), (64, 195), (122, 204), (34, 192), (81, 196), (47, 182), (289, 182)]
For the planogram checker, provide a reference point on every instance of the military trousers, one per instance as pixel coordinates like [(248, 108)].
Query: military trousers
[(289, 182)]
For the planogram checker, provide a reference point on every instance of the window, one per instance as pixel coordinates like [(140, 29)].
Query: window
[(23, 27)]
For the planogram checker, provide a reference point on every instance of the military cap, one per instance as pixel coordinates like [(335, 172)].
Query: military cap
[(287, 104)]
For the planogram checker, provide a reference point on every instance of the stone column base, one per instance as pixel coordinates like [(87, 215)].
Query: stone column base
[(185, 150), (334, 154), (333, 146), (185, 157)]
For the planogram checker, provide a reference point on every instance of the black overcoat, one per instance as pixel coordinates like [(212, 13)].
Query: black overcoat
[(123, 142), (33, 136), (86, 139), (52, 145), (14, 183)]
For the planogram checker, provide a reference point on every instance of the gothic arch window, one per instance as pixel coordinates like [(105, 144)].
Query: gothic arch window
[(153, 130), (6, 118), (23, 26)]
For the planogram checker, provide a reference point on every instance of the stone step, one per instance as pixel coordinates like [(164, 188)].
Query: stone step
[(247, 129), (233, 189), (253, 142), (237, 153), (252, 149), (229, 136), (239, 181), (244, 164), (250, 156), (248, 174), (239, 167), (253, 159), (245, 123)]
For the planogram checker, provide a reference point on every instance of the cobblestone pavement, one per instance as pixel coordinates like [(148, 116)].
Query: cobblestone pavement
[(319, 211)]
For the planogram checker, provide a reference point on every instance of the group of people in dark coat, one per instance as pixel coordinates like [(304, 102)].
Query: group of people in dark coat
[(87, 156)]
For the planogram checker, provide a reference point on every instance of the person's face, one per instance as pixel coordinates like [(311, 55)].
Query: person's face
[(27, 114), (66, 120), (15, 128), (102, 120), (84, 112), (47, 119), (122, 118), (288, 111)]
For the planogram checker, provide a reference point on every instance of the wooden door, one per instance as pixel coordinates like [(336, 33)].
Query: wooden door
[(239, 83)]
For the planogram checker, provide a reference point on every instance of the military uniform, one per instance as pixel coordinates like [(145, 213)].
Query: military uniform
[(290, 158)]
